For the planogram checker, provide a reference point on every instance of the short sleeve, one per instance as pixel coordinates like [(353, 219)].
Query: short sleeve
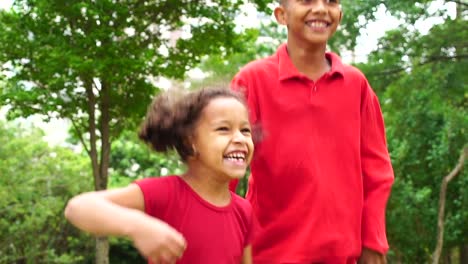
[(249, 222), (251, 231), (156, 193)]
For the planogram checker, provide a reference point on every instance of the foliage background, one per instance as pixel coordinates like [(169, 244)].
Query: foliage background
[(421, 81)]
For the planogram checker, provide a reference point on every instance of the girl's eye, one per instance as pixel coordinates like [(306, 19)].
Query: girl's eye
[(246, 130), (222, 129)]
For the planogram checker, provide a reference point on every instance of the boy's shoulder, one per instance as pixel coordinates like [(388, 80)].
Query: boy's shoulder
[(345, 69), (272, 64), (265, 63)]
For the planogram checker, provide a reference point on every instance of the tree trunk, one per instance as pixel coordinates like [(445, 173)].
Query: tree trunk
[(463, 254), (105, 135), (100, 166), (448, 257), (102, 250), (102, 243), (443, 192)]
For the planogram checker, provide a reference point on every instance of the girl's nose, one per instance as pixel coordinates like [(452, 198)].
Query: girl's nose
[(238, 137)]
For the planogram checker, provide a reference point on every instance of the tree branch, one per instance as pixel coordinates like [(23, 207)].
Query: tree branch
[(428, 61), (80, 136), (443, 192), (458, 2), (92, 129), (104, 108)]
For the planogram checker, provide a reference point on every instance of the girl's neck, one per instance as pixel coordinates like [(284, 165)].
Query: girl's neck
[(309, 60), (211, 189)]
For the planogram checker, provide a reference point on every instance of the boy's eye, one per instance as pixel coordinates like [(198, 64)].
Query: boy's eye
[(326, 1), (222, 129)]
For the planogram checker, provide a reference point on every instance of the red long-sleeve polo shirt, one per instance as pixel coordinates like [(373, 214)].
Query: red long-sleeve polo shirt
[(321, 175)]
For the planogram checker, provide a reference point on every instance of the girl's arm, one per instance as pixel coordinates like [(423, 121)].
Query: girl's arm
[(120, 212), (247, 256), (110, 212)]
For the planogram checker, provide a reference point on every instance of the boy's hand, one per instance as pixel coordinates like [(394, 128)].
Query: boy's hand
[(369, 256), (158, 241)]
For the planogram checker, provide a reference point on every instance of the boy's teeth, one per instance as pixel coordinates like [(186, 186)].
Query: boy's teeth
[(317, 24)]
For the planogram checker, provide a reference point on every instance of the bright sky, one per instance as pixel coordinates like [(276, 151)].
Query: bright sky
[(4, 4), (56, 129)]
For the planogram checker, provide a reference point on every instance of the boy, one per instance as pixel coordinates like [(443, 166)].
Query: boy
[(321, 175)]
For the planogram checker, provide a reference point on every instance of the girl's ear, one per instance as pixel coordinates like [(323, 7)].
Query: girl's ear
[(194, 150), (188, 142), (280, 15)]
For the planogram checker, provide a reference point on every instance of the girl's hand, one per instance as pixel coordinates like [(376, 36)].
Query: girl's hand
[(158, 241), (369, 256)]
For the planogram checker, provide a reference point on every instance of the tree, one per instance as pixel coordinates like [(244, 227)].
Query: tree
[(422, 84), (442, 200), (92, 62), (35, 182)]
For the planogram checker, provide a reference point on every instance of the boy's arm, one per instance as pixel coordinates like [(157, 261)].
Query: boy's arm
[(371, 257), (240, 84), (377, 173)]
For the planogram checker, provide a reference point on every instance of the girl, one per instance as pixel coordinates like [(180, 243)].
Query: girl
[(188, 218)]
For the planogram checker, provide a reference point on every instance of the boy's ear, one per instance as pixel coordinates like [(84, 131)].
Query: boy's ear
[(280, 15)]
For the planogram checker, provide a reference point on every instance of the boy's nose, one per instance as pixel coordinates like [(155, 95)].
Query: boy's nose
[(319, 6)]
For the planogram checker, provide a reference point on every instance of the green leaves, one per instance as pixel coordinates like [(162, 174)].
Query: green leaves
[(131, 159), (423, 93), (35, 183)]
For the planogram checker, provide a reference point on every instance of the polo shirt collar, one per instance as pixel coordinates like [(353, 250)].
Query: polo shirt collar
[(287, 70)]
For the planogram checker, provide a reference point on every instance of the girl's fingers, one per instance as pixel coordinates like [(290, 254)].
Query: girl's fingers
[(164, 257), (168, 258), (178, 246)]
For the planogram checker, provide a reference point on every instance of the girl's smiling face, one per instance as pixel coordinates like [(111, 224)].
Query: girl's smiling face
[(222, 139)]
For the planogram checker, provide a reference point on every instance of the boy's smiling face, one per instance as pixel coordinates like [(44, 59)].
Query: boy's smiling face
[(309, 21)]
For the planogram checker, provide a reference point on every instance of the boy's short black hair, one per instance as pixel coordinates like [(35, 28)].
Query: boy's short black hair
[(282, 2)]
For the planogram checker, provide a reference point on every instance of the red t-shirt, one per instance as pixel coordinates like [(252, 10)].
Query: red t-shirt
[(213, 234), (321, 173)]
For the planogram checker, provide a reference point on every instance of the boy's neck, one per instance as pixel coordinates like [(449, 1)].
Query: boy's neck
[(310, 60)]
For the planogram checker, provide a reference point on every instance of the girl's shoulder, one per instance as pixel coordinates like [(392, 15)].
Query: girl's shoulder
[(160, 194), (157, 180), (242, 205)]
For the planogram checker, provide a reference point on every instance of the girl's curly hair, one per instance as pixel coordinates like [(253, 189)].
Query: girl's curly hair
[(171, 118)]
